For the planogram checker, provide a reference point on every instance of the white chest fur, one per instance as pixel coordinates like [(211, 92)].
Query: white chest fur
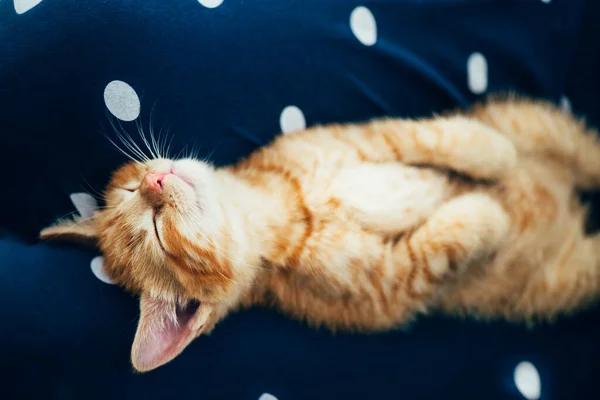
[(390, 197)]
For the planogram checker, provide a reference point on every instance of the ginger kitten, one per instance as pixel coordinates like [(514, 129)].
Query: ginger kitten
[(358, 226)]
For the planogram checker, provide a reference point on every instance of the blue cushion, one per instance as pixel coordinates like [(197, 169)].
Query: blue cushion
[(222, 79)]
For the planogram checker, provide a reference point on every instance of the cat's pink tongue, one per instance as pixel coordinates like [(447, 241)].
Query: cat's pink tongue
[(159, 338)]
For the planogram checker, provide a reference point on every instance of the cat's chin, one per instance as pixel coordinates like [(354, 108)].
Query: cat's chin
[(160, 337)]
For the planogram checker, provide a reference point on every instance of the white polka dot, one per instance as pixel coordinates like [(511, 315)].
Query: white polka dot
[(22, 6), (122, 101), (97, 266), (363, 25), (477, 73), (292, 119), (85, 204), (267, 396), (211, 3), (565, 104), (527, 380)]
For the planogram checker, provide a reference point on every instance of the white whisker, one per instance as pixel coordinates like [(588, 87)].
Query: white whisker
[(133, 147), (167, 145), (153, 140), (122, 151), (132, 144), (136, 154), (145, 140), (95, 192)]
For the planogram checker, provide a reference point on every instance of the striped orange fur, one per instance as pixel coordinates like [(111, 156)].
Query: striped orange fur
[(359, 226)]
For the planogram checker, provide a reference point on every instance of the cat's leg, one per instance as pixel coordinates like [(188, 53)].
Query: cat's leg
[(457, 143), (565, 284), (541, 128), (466, 230), (534, 290)]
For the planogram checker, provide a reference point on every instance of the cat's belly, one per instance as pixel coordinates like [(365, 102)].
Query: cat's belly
[(390, 198)]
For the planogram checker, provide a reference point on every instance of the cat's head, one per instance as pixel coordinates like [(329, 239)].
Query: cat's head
[(164, 235)]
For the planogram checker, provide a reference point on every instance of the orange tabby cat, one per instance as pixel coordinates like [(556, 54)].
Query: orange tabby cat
[(358, 227)]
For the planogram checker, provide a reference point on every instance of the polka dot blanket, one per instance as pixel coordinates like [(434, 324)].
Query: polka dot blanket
[(220, 78)]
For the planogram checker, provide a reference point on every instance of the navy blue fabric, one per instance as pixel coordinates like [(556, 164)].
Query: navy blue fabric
[(219, 79)]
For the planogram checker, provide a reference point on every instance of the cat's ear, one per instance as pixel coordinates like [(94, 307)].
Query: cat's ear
[(81, 231), (164, 331)]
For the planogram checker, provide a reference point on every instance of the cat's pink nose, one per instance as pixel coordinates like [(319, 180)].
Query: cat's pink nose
[(153, 180)]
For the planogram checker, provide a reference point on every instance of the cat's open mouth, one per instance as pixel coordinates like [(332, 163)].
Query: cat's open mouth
[(165, 329)]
